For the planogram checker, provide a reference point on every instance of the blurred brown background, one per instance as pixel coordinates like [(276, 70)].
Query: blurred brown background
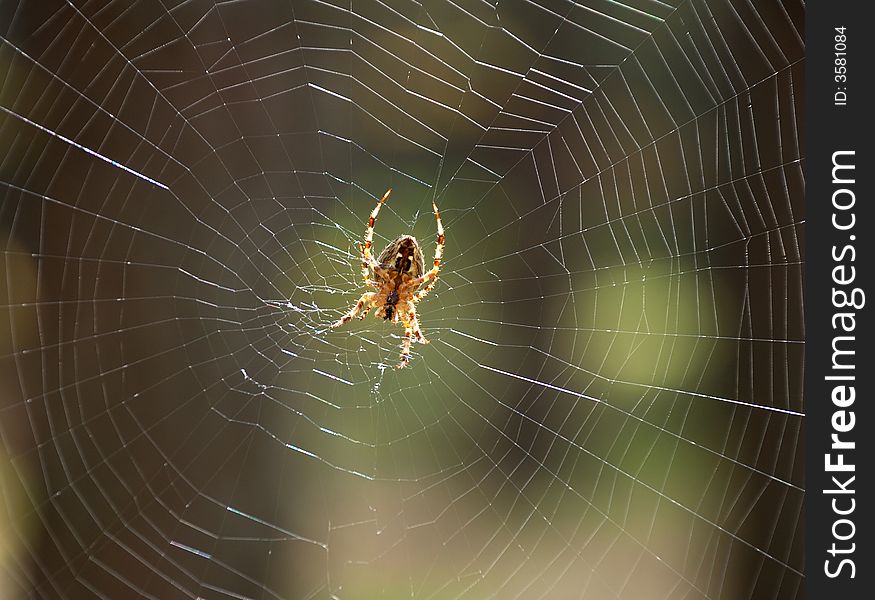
[(610, 405)]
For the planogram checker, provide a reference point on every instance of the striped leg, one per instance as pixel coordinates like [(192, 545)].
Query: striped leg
[(431, 276), (366, 299), (367, 257), (368, 260), (414, 324), (405, 347)]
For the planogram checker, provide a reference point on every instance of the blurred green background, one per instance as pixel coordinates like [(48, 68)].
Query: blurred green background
[(610, 405)]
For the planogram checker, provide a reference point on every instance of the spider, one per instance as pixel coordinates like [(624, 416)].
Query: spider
[(398, 273)]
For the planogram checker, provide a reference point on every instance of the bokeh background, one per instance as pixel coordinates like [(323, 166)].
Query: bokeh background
[(610, 406)]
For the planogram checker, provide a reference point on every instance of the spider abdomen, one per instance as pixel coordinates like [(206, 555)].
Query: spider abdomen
[(403, 255)]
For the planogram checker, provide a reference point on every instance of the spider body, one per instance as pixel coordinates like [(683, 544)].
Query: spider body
[(402, 259), (398, 273)]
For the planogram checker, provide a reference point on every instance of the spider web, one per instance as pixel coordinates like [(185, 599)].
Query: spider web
[(610, 405)]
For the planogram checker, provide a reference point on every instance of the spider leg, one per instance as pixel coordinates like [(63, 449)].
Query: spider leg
[(414, 324), (367, 257), (405, 347), (368, 260), (365, 312), (431, 276), (366, 299)]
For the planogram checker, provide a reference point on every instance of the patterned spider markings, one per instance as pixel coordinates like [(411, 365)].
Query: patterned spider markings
[(397, 275)]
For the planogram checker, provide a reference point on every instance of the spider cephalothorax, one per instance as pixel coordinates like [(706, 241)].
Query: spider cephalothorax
[(398, 272)]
